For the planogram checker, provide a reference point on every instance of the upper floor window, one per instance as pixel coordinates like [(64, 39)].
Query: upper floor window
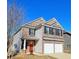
[(57, 32), (46, 30), (51, 30), (61, 32), (31, 31)]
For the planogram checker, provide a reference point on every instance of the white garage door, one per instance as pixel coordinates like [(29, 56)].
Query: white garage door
[(58, 48), (48, 48)]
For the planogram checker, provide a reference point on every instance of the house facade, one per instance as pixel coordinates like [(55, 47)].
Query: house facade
[(46, 37)]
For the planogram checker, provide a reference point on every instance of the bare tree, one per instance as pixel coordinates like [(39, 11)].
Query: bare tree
[(14, 15)]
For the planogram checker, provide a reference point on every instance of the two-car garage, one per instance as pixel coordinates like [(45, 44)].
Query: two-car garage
[(53, 48)]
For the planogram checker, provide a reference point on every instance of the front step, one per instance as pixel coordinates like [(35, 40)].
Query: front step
[(24, 51)]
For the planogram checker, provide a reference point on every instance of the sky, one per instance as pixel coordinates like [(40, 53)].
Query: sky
[(32, 9)]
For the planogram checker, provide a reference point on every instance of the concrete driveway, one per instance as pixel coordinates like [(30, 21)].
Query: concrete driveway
[(61, 55)]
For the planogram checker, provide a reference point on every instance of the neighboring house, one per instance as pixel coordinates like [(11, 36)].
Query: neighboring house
[(46, 37), (67, 42)]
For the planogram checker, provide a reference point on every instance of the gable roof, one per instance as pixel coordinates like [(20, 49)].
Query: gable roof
[(52, 22), (36, 22), (55, 23), (67, 33)]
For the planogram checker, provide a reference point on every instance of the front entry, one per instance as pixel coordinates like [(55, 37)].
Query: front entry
[(28, 46)]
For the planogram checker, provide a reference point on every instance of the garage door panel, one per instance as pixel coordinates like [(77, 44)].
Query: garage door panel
[(48, 48), (58, 48)]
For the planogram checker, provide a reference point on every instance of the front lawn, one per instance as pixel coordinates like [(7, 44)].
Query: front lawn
[(27, 56), (42, 56)]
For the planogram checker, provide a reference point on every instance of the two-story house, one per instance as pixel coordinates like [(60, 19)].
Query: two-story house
[(46, 36)]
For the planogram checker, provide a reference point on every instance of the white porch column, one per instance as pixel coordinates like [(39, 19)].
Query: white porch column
[(24, 47)]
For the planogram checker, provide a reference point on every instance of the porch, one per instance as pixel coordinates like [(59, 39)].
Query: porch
[(26, 42)]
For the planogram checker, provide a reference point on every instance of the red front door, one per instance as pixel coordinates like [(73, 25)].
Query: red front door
[(31, 44), (30, 47)]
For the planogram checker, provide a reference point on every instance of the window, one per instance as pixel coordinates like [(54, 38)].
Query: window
[(15, 45), (61, 32), (31, 31), (51, 30), (57, 32), (46, 30)]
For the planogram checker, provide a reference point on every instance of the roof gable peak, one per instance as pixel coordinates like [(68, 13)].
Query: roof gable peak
[(37, 21), (55, 23)]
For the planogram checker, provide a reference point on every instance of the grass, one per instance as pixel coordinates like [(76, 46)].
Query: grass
[(27, 56)]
